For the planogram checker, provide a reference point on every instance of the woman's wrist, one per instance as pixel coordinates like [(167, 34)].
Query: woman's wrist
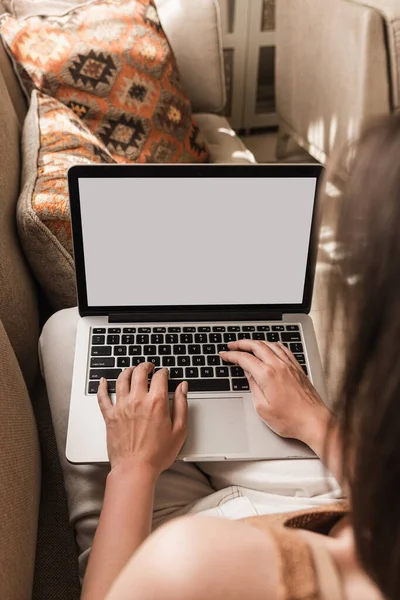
[(325, 441), (316, 429), (132, 470)]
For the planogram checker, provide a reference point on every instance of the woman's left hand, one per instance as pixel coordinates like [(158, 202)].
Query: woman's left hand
[(140, 430)]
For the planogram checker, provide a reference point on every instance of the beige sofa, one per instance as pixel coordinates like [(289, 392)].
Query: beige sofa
[(37, 547), (338, 66)]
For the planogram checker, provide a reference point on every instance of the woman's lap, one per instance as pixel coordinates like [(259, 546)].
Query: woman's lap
[(176, 490), (228, 489)]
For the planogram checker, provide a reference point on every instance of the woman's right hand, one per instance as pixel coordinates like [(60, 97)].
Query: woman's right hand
[(283, 395)]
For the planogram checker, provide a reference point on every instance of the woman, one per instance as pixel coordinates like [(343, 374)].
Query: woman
[(357, 558)]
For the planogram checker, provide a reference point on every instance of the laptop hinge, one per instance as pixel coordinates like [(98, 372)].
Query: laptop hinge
[(184, 316)]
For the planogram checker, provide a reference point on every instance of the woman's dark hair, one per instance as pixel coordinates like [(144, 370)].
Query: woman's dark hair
[(368, 242)]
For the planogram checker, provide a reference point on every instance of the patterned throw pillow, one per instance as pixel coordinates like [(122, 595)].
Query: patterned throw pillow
[(111, 63), (54, 139)]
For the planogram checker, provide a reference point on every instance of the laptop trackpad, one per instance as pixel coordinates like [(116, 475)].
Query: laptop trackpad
[(216, 426)]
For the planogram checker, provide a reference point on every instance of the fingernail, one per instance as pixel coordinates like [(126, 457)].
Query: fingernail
[(185, 387), (223, 352), (102, 380)]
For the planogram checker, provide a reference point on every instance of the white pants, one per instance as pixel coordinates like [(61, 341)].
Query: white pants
[(227, 489)]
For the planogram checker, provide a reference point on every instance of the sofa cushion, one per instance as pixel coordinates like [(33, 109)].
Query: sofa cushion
[(223, 143), (20, 479), (113, 65), (54, 138)]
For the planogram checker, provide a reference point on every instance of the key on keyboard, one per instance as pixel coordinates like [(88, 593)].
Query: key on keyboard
[(273, 337), (201, 385), (102, 362), (213, 360), (142, 338), (119, 350), (124, 361), (101, 351), (107, 373), (168, 361), (179, 349), (198, 360), (183, 361), (258, 335), (240, 385)]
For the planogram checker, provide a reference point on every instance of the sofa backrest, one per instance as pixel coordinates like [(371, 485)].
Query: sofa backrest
[(14, 90), (18, 303), (193, 28)]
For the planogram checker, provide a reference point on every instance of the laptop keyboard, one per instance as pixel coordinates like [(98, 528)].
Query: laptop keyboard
[(189, 352)]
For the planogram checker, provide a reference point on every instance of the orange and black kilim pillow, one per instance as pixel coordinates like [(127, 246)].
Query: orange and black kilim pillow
[(54, 138), (111, 63), (62, 141)]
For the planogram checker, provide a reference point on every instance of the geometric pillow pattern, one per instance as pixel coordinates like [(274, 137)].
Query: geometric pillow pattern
[(63, 141), (54, 138), (110, 62)]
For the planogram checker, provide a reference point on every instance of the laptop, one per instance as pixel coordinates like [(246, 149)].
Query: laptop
[(172, 263)]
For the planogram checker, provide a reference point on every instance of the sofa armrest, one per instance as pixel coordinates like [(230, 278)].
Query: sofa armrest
[(194, 32), (332, 71), (20, 479), (390, 12)]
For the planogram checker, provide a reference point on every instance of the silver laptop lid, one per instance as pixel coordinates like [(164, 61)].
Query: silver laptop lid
[(158, 241)]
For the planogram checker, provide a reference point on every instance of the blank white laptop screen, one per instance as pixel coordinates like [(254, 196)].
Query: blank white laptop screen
[(195, 241)]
